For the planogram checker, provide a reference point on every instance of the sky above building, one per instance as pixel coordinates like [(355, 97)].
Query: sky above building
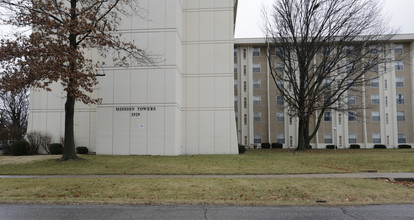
[(250, 21)]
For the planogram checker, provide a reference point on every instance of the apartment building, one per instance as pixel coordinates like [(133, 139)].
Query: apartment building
[(385, 103), (181, 105)]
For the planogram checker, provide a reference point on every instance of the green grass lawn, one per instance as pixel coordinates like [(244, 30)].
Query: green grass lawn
[(262, 161), (203, 191)]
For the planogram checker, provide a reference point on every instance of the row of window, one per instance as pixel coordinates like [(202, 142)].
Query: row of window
[(373, 49), (375, 99), (327, 139), (375, 116)]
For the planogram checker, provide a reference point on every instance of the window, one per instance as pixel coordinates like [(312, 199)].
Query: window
[(257, 116), (327, 138), (399, 81), (279, 68), (280, 116), (257, 100), (400, 98), (373, 49), (327, 116), (280, 138), (235, 68), (374, 68), (256, 67), (349, 49), (402, 138), (386, 84), (351, 100), (398, 48), (244, 86), (376, 138), (235, 52), (245, 140), (290, 120), (375, 99), (340, 118), (236, 82), (278, 52), (386, 118), (235, 101), (350, 83), (256, 51), (257, 138), (375, 116), (290, 141), (279, 83), (352, 116), (399, 65), (244, 69), (245, 119), (374, 82), (279, 100), (236, 116), (245, 102), (327, 82), (349, 67), (386, 101), (244, 53), (352, 138), (256, 84), (401, 116), (325, 50)]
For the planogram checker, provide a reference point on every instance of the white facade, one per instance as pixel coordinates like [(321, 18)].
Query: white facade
[(181, 105)]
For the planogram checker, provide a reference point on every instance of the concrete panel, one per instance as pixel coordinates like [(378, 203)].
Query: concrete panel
[(207, 92), (207, 134), (156, 84), (206, 25), (157, 14), (139, 86), (192, 132), (222, 126), (122, 90), (139, 134), (206, 54), (156, 131), (121, 132), (105, 131)]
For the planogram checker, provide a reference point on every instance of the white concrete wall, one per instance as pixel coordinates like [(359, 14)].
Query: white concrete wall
[(181, 105)]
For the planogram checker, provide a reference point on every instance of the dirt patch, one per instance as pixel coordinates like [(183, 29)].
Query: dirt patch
[(4, 160)]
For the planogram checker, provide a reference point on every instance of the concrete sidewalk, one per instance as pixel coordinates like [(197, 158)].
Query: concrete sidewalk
[(390, 176)]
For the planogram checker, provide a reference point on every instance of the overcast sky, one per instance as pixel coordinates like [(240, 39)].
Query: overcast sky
[(249, 16)]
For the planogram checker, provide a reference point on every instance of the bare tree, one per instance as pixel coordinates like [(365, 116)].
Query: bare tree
[(318, 50), (15, 113), (62, 31)]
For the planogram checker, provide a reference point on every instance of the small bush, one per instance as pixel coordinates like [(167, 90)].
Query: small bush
[(380, 146), (6, 149), (82, 150), (242, 149), (330, 146), (277, 145), (56, 148), (37, 140), (265, 145), (355, 146), (404, 146), (19, 148)]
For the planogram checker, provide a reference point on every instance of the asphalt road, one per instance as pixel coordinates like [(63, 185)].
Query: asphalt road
[(101, 212)]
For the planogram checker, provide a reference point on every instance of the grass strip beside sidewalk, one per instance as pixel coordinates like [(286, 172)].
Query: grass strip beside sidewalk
[(253, 162), (268, 192)]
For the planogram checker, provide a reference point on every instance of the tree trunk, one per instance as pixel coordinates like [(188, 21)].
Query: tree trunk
[(301, 135), (69, 152)]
